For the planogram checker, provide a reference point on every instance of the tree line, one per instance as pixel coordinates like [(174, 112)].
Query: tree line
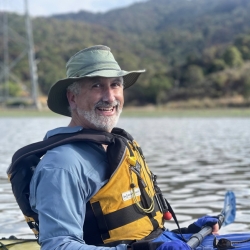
[(190, 49)]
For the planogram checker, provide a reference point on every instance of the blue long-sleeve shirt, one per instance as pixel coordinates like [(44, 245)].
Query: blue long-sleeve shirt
[(64, 181)]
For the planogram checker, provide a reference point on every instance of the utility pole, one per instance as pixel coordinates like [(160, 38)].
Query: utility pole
[(32, 62), (6, 55)]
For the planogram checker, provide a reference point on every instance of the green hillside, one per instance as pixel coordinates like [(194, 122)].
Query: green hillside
[(191, 49), (175, 27)]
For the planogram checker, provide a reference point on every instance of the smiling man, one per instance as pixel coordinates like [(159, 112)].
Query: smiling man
[(96, 102), (90, 196)]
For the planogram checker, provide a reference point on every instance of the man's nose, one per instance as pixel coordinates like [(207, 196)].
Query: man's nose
[(108, 95)]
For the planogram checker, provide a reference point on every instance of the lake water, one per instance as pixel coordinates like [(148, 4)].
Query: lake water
[(196, 160)]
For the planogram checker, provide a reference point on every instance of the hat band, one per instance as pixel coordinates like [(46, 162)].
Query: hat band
[(103, 69), (92, 68)]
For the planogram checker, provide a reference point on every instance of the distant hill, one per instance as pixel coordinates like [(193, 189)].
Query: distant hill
[(160, 15), (190, 48), (175, 28)]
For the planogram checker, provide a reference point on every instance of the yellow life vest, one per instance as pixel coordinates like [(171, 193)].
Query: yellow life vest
[(126, 207)]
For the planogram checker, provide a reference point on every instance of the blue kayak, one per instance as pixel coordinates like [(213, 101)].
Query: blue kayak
[(207, 243)]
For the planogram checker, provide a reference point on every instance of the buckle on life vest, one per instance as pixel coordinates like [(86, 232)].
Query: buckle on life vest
[(131, 160), (33, 225)]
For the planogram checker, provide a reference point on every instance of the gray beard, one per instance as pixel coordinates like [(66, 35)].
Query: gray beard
[(105, 123)]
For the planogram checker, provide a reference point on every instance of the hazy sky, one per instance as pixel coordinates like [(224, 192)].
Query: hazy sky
[(49, 7)]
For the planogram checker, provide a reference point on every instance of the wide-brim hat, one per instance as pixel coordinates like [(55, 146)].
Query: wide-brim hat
[(96, 61)]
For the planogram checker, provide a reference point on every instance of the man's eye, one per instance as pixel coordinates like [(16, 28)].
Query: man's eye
[(117, 84), (96, 85)]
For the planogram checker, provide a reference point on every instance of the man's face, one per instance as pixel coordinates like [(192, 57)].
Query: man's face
[(99, 103)]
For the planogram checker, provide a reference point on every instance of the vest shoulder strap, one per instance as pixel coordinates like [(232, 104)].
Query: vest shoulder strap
[(41, 147)]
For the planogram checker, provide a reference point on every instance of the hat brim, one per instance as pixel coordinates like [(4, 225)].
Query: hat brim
[(57, 98)]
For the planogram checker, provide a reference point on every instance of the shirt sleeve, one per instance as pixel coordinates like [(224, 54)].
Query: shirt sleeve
[(59, 198)]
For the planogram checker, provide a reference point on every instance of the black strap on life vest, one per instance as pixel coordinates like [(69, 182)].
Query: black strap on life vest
[(119, 218), (41, 147)]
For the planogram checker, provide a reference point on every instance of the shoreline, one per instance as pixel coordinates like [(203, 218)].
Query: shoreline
[(147, 111)]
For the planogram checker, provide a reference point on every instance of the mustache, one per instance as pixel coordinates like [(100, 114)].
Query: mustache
[(105, 104)]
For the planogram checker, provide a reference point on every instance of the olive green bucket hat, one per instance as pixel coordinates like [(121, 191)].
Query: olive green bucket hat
[(91, 62)]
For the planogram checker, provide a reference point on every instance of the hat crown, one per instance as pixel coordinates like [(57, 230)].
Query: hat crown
[(91, 59)]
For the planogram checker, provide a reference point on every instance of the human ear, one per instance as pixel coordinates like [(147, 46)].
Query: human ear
[(71, 99)]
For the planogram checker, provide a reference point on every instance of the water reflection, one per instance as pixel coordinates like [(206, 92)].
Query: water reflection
[(196, 161)]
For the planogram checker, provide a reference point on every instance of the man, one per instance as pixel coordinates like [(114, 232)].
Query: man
[(74, 190)]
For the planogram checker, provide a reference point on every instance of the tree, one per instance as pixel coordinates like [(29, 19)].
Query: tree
[(243, 44), (13, 89), (233, 57), (157, 90), (217, 65), (246, 86), (193, 75)]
